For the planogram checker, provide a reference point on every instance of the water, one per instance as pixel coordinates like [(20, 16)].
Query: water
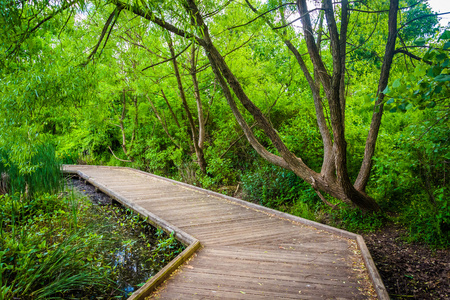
[(134, 249)]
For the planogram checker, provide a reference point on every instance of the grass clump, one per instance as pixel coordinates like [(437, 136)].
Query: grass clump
[(35, 172), (45, 254)]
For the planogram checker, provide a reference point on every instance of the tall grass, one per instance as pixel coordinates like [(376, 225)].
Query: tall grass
[(43, 174), (44, 254)]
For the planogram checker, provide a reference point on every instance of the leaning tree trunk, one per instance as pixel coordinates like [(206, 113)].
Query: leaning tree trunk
[(198, 150), (334, 178)]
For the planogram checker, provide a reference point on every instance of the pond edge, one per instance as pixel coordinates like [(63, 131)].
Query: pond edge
[(192, 243)]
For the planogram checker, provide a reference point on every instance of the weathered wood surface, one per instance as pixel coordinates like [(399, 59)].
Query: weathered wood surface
[(249, 252)]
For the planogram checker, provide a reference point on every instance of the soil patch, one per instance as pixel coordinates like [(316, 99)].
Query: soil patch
[(409, 271)]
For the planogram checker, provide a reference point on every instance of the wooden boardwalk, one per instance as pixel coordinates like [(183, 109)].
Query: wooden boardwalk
[(248, 251)]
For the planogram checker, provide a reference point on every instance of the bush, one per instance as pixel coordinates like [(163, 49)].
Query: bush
[(429, 222), (278, 188), (353, 219)]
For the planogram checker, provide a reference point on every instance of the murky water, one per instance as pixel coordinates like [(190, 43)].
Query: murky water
[(135, 250)]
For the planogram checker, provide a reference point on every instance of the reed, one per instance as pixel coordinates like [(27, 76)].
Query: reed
[(42, 174), (44, 254)]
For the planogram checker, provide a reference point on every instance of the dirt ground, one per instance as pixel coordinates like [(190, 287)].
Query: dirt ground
[(409, 271)]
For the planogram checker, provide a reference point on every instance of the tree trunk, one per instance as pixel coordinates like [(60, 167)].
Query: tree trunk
[(334, 178), (198, 151), (369, 150)]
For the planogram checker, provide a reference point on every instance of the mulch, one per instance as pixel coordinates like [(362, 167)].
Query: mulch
[(409, 270)]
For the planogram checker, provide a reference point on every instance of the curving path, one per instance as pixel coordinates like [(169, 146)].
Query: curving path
[(247, 251)]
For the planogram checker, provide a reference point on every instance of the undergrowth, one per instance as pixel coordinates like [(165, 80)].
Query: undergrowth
[(426, 217), (61, 246), (44, 251)]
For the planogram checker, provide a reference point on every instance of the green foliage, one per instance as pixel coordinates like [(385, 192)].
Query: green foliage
[(41, 257), (302, 210), (167, 246), (428, 85), (419, 27), (35, 171), (275, 187), (220, 172), (114, 103), (410, 177), (60, 246), (429, 222)]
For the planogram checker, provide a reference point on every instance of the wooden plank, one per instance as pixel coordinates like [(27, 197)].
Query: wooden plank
[(244, 243), (227, 291), (165, 272)]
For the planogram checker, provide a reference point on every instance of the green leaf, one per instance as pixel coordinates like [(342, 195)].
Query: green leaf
[(446, 45), (441, 56), (396, 83), (445, 35), (442, 77), (402, 106), (419, 42), (390, 101), (446, 63), (386, 90)]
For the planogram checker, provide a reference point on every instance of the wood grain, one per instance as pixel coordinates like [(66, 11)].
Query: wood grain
[(249, 252)]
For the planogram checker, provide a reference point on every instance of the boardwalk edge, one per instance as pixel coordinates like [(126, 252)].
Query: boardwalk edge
[(164, 273), (378, 284), (375, 277)]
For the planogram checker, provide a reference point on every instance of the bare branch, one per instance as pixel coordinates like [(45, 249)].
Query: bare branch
[(169, 59), (261, 15), (112, 152)]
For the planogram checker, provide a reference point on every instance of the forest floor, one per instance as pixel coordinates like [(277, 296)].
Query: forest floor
[(409, 270)]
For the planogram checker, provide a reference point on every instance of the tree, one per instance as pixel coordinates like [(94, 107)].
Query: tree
[(333, 178), (324, 70)]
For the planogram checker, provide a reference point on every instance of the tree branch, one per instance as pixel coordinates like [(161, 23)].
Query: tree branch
[(412, 55), (112, 152), (169, 59), (112, 17), (369, 150), (154, 19), (261, 15)]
